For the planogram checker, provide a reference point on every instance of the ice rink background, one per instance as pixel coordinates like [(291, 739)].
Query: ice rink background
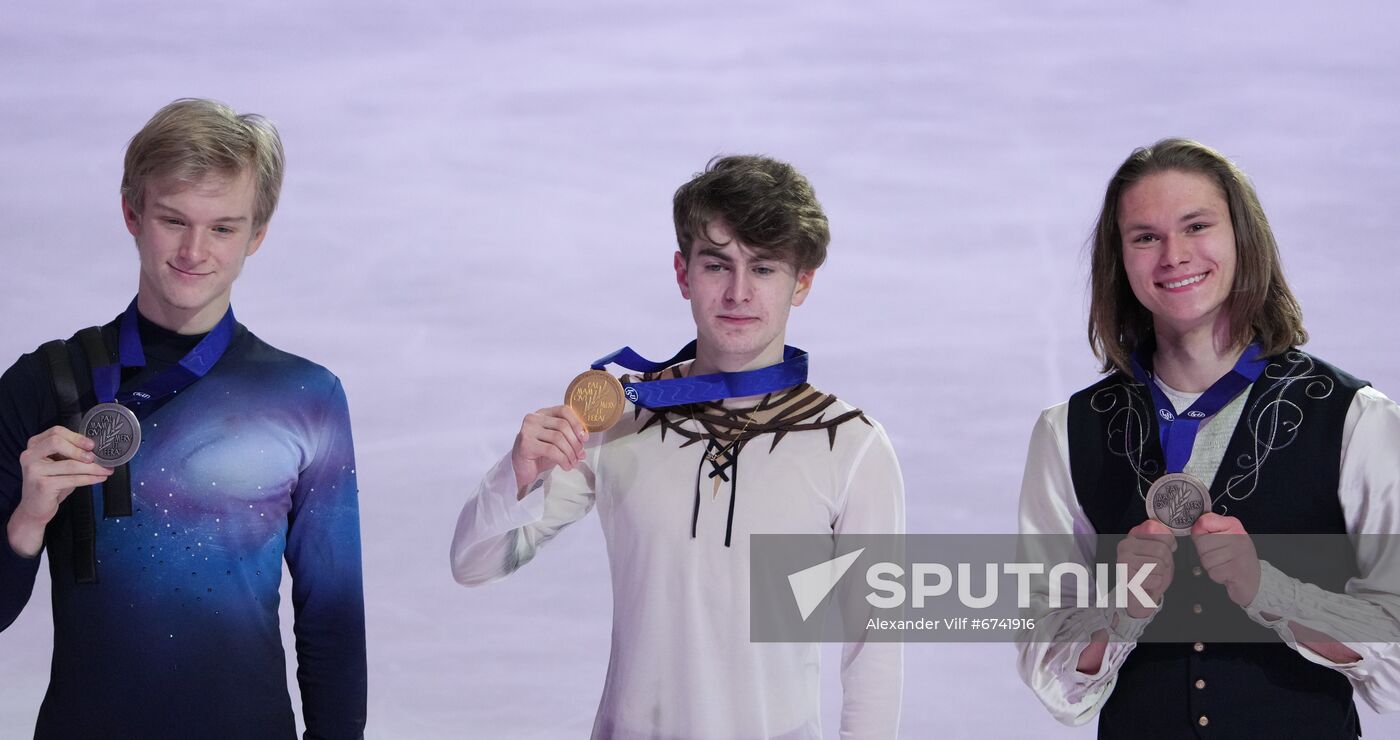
[(477, 204)]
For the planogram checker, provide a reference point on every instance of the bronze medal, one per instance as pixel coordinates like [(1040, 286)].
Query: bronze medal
[(597, 398), (1177, 500)]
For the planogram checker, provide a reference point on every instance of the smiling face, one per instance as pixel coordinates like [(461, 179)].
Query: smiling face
[(740, 301), (1179, 250), (192, 239)]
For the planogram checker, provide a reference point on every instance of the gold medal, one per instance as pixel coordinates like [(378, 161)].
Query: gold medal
[(597, 398)]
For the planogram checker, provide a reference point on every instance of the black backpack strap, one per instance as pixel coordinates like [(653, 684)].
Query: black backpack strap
[(79, 502), (95, 347), (116, 491), (65, 386)]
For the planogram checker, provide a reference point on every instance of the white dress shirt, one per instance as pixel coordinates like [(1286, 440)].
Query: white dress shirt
[(682, 664), (1369, 494)]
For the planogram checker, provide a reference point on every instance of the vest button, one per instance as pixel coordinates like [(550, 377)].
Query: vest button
[(1196, 570), (1200, 683), (1199, 647), (1196, 608), (1203, 721)]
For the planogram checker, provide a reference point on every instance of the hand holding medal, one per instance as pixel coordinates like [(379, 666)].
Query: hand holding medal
[(1228, 556), (1180, 503), (54, 463), (554, 437), (548, 438), (1148, 544)]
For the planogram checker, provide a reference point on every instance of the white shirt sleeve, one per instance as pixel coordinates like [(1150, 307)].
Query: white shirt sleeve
[(1370, 605), (1049, 662), (497, 532), (872, 673)]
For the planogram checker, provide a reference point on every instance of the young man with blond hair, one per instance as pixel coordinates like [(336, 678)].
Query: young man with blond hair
[(170, 460)]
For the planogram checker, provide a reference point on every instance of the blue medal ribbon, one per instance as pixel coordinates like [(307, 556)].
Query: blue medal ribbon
[(1178, 431), (654, 394), (193, 366)]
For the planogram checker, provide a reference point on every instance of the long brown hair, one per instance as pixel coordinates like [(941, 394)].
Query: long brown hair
[(1261, 307)]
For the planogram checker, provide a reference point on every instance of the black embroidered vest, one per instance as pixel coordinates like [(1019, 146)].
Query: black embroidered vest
[(1279, 475)]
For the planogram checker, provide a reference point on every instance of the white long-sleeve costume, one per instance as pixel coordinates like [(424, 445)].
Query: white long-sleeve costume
[(682, 664), (1369, 495)]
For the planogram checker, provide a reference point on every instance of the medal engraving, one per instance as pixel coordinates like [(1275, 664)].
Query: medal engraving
[(1177, 500), (597, 398), (116, 432)]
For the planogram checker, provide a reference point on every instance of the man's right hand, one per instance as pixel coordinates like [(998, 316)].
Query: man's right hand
[(55, 462), (548, 438), (1149, 542)]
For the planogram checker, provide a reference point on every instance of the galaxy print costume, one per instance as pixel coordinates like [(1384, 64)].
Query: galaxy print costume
[(678, 492), (179, 637)]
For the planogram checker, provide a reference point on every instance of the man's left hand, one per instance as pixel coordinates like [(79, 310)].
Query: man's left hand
[(1228, 555)]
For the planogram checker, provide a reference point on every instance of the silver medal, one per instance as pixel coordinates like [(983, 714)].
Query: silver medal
[(1177, 500), (116, 432)]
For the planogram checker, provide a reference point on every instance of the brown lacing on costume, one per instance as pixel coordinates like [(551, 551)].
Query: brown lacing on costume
[(726, 431)]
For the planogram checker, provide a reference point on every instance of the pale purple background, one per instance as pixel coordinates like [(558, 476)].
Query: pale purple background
[(477, 204)]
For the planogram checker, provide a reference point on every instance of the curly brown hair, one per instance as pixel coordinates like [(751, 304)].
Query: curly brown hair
[(768, 205)]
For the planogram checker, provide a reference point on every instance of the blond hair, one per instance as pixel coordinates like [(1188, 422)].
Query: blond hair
[(192, 138)]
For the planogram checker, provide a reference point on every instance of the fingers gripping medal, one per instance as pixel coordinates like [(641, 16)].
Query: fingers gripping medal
[(115, 431), (597, 397), (1177, 500)]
